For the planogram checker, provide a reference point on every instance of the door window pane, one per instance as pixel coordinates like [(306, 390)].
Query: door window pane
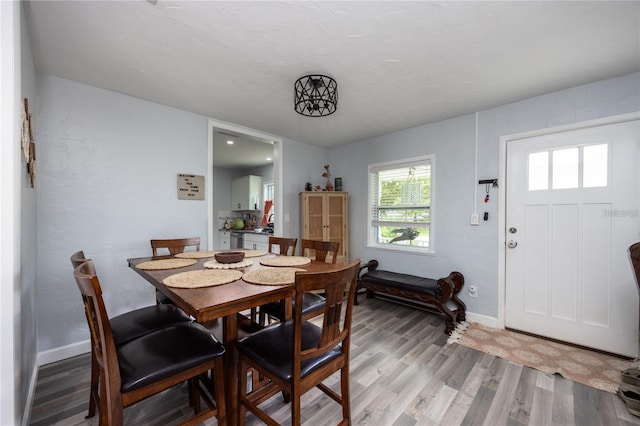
[(538, 171), (595, 166), (565, 168)]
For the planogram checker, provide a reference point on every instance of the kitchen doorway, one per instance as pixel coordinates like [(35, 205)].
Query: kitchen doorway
[(219, 129)]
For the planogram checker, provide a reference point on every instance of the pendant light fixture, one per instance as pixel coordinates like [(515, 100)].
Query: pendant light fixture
[(315, 95)]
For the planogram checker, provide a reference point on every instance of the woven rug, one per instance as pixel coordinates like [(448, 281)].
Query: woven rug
[(591, 368)]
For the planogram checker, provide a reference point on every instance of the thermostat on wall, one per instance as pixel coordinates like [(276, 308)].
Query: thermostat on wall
[(190, 187)]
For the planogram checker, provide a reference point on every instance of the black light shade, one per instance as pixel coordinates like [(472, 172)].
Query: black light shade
[(315, 95)]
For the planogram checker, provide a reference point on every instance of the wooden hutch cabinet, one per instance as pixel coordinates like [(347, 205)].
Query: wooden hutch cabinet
[(325, 216)]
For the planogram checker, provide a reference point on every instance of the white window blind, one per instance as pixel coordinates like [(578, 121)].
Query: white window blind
[(400, 203)]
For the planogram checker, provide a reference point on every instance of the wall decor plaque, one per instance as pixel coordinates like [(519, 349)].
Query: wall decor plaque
[(190, 187)]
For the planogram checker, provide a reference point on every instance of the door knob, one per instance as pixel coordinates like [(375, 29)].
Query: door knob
[(512, 244)]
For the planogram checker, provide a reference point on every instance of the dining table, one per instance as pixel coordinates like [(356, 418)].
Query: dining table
[(208, 303)]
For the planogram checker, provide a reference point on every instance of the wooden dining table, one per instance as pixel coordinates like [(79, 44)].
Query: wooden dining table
[(225, 301)]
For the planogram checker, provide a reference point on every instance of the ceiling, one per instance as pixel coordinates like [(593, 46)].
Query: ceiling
[(246, 152), (397, 64)]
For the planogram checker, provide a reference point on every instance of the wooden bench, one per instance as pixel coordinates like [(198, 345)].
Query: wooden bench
[(425, 293)]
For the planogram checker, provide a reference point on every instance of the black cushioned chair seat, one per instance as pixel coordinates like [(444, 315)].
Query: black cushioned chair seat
[(271, 348), (402, 281), (311, 302), (135, 324), (164, 353)]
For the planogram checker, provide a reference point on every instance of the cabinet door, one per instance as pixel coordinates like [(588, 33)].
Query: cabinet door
[(246, 193), (313, 212), (224, 240), (240, 193), (256, 242), (335, 217), (325, 216)]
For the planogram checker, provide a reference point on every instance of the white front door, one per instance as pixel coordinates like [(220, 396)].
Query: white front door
[(572, 211)]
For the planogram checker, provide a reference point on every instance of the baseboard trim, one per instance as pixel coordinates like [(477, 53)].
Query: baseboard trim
[(483, 319), (63, 352)]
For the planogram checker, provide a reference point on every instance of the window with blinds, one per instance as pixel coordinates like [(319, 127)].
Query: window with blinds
[(401, 204)]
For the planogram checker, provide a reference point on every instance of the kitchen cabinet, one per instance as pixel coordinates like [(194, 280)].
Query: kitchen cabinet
[(246, 193), (256, 241), (224, 240), (325, 216)]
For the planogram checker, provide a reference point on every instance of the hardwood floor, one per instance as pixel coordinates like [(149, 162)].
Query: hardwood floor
[(402, 373)]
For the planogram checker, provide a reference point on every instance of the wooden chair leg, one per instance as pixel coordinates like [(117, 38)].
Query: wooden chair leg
[(218, 391), (95, 383), (242, 393), (345, 394)]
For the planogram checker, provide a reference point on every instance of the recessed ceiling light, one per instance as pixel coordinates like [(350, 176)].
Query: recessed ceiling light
[(268, 158), (229, 142)]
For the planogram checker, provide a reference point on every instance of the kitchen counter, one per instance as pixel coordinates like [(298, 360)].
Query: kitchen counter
[(248, 231)]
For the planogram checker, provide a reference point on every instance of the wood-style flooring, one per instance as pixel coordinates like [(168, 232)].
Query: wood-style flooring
[(402, 373)]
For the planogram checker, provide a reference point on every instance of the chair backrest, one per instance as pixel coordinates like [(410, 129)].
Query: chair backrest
[(78, 259), (336, 328), (101, 336), (634, 250), (284, 244), (176, 245), (320, 249)]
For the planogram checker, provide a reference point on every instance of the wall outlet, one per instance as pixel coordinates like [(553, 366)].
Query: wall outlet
[(473, 291), (474, 219)]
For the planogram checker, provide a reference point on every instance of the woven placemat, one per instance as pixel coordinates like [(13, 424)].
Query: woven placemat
[(253, 253), (272, 276), (285, 261), (197, 254), (153, 265), (214, 264), (202, 278)]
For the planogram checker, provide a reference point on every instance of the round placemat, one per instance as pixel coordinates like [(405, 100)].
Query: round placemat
[(202, 278), (197, 254), (253, 253), (214, 264), (285, 261), (272, 276), (153, 265)]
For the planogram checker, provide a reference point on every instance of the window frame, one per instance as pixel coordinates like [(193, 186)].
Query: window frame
[(372, 229)]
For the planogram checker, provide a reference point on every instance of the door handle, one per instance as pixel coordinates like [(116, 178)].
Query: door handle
[(512, 244)]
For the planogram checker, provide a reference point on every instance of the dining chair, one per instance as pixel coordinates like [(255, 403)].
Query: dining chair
[(312, 302), (172, 246), (297, 355), (286, 247), (283, 244), (320, 250), (129, 326), (152, 363)]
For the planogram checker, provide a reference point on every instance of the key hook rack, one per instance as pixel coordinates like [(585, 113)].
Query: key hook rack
[(489, 183)]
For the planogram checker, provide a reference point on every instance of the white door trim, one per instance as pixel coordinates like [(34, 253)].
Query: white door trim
[(502, 174)]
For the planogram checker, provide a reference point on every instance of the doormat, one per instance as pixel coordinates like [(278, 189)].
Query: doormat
[(591, 368)]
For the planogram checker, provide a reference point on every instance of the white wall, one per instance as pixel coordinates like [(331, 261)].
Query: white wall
[(472, 250), (107, 177), (301, 163)]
